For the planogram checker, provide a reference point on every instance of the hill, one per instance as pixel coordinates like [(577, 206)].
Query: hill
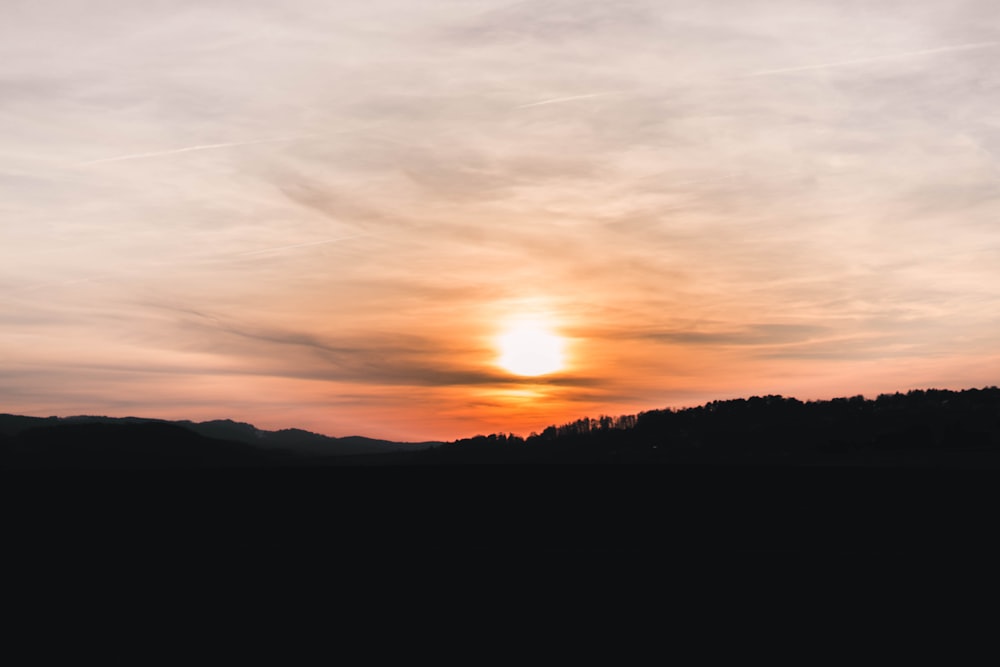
[(98, 445), (222, 442), (922, 428), (901, 474)]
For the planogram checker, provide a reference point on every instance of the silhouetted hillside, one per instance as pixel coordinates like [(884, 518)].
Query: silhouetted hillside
[(125, 445), (286, 444), (298, 441), (919, 428)]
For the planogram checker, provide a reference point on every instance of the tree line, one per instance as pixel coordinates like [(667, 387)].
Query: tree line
[(932, 425)]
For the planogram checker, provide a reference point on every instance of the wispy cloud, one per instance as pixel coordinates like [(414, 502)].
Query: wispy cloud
[(558, 100), (750, 335), (299, 245), (875, 59), (397, 358), (191, 149), (187, 261), (228, 144)]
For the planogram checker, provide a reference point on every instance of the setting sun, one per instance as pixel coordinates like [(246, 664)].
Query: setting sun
[(529, 348)]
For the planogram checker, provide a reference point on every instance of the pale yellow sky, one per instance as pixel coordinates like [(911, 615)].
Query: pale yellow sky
[(322, 215)]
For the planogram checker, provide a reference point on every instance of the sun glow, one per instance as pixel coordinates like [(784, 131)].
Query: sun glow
[(530, 348)]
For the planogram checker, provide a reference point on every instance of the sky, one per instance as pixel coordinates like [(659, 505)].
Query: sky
[(323, 214)]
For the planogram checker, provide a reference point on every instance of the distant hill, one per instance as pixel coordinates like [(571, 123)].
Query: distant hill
[(93, 445), (299, 441), (135, 441)]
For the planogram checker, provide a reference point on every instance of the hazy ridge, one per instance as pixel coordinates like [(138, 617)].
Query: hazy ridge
[(116, 441)]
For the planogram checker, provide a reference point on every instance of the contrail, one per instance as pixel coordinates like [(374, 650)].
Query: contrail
[(58, 283), (567, 99), (189, 149), (862, 61), (229, 144), (300, 245)]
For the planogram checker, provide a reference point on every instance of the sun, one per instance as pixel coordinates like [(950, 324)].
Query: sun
[(530, 348)]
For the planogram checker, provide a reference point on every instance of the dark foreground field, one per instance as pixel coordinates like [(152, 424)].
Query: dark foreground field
[(404, 512), (902, 475)]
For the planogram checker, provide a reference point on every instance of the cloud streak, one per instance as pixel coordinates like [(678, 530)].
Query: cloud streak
[(192, 149), (397, 359), (229, 144), (876, 59), (572, 98), (299, 245)]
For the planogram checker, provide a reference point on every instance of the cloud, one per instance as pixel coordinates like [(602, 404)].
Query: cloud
[(555, 20), (370, 359), (752, 335), (300, 245), (875, 59), (559, 100), (189, 149)]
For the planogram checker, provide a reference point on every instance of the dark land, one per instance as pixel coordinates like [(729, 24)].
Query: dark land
[(902, 474)]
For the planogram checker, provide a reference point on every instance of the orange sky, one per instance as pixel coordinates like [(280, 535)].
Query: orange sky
[(321, 215)]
